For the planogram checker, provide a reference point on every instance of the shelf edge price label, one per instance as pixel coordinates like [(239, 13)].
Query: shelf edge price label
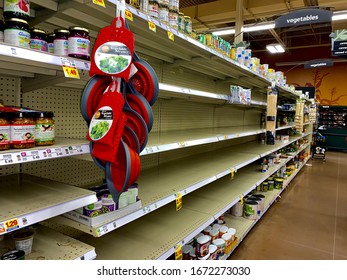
[(242, 200), (69, 68), (232, 172), (179, 201), (178, 252), (152, 26), (99, 3), (11, 225), (129, 15), (170, 35)]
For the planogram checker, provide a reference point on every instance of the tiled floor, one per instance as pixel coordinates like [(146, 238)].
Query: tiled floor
[(310, 220)]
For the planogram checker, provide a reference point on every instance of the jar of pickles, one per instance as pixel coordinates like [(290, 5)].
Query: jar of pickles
[(188, 26), (44, 129), (181, 22)]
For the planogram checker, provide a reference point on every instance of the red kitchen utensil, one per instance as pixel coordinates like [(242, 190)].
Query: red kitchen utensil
[(113, 51), (135, 167), (140, 105), (130, 138), (107, 124), (92, 94), (118, 173), (138, 125), (145, 80)]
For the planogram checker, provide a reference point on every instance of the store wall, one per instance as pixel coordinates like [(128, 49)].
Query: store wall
[(330, 83)]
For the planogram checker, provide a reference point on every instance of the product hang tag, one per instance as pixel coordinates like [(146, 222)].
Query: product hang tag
[(178, 252), (69, 68), (99, 3), (129, 15), (179, 201)]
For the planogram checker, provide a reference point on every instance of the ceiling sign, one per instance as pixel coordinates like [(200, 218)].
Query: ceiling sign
[(302, 17), (319, 63), (340, 43)]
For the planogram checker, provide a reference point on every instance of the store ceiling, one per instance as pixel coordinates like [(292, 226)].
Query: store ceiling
[(211, 15)]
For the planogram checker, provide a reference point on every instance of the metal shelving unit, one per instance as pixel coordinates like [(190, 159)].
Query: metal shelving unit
[(51, 245), (27, 200), (157, 234), (244, 226), (183, 177), (63, 147)]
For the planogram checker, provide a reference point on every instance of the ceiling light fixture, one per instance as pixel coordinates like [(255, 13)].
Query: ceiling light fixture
[(341, 15), (275, 48)]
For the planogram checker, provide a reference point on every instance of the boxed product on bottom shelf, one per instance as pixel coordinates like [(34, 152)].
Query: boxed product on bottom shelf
[(105, 208)]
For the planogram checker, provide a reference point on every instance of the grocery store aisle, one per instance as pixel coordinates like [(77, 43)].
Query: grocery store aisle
[(310, 220)]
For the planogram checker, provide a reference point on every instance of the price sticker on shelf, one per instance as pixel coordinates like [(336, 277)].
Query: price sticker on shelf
[(11, 225), (242, 200), (170, 35), (182, 144), (232, 171), (7, 159), (178, 252), (179, 201), (58, 152), (99, 3), (69, 68), (35, 155), (129, 15), (152, 26)]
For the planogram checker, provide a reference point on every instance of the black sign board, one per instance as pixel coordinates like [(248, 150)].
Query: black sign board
[(318, 63), (302, 17), (311, 91)]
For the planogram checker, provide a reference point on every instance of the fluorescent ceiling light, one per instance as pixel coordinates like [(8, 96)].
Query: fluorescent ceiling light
[(339, 17), (258, 27), (275, 48), (224, 32)]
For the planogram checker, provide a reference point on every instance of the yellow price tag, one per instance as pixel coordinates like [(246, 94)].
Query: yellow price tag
[(129, 15), (71, 72), (232, 171), (242, 200), (178, 252), (171, 36), (152, 26), (99, 3), (179, 201), (11, 225)]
